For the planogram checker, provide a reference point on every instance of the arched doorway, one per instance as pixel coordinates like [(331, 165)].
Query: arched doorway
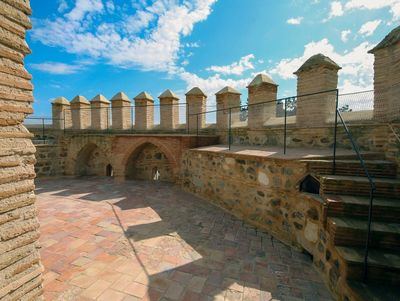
[(90, 161), (109, 171), (149, 163)]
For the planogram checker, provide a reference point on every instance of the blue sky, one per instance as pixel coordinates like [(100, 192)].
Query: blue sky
[(89, 47)]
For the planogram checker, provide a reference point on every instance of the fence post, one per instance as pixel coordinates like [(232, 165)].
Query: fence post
[(43, 129), (335, 132), (285, 128), (230, 129)]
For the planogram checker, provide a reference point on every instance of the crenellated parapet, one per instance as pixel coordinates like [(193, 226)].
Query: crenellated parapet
[(313, 106)]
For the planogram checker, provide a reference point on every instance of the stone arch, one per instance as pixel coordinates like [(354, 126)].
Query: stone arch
[(87, 155), (149, 162), (90, 161)]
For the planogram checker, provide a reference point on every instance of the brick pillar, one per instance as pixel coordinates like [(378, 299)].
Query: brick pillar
[(169, 110), (262, 89), (227, 98), (100, 112), (121, 112), (61, 111), (195, 103), (144, 111), (387, 77), (319, 73), (81, 113)]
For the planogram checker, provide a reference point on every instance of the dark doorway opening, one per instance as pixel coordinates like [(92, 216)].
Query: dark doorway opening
[(310, 185), (109, 171)]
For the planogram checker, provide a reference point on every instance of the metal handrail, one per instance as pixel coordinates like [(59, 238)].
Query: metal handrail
[(372, 192)]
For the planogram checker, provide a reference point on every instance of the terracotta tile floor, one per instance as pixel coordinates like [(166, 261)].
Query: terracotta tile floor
[(149, 241)]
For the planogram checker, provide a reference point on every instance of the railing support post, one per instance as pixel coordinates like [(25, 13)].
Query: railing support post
[(285, 128), (367, 242), (230, 129), (43, 129), (335, 132)]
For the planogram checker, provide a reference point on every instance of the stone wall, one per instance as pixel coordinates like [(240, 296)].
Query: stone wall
[(20, 268), (265, 193), (50, 160)]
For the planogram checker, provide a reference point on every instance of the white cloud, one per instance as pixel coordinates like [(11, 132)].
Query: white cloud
[(344, 36), (368, 29), (57, 68), (62, 6), (84, 31), (336, 9), (393, 5), (357, 65), (212, 84), (295, 21), (236, 68)]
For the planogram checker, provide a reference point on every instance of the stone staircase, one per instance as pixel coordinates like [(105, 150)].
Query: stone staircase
[(346, 195)]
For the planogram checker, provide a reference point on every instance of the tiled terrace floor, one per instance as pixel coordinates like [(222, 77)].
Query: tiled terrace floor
[(143, 241)]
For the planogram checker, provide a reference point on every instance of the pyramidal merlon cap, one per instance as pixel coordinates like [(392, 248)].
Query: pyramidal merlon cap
[(318, 60), (80, 99), (61, 101), (120, 96), (261, 79), (100, 98), (391, 39), (196, 91), (144, 95), (168, 94), (228, 90)]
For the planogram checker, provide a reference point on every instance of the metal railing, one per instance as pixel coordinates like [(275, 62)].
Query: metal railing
[(356, 148), (249, 115)]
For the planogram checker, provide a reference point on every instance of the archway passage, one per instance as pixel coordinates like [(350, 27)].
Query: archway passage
[(90, 161), (109, 171), (149, 163)]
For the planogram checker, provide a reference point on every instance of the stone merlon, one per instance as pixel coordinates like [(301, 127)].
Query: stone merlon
[(228, 90), (120, 96), (391, 39), (80, 99), (196, 91), (61, 101), (100, 98), (144, 96), (261, 79), (168, 94), (318, 60)]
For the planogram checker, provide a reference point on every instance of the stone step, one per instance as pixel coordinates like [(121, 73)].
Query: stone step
[(357, 206), (376, 168), (360, 291), (360, 186), (383, 266), (348, 231)]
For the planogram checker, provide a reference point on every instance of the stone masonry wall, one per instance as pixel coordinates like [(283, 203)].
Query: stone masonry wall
[(50, 160), (20, 267), (265, 193)]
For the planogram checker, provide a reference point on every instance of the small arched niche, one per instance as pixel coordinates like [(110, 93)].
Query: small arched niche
[(109, 171), (310, 184)]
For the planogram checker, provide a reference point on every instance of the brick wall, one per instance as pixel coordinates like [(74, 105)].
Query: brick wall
[(20, 268)]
